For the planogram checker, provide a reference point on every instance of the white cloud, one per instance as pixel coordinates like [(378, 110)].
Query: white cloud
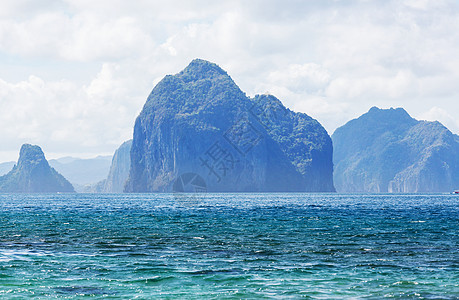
[(86, 67), (63, 116), (80, 38), (401, 84), (306, 78), (439, 114)]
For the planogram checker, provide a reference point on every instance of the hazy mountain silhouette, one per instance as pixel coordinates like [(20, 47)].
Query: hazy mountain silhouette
[(118, 174), (6, 167), (82, 171), (32, 174), (386, 150)]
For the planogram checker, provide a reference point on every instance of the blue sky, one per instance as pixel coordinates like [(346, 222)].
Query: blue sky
[(75, 73)]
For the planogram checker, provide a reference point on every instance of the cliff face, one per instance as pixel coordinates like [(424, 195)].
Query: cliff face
[(199, 121), (32, 174), (119, 170), (388, 151), (118, 174), (304, 141)]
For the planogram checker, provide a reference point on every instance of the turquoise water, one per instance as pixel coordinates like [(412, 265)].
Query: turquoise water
[(229, 246)]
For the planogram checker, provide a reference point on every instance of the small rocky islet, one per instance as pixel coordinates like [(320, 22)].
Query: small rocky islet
[(33, 174)]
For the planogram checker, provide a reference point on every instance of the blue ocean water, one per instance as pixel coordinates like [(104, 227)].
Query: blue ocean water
[(145, 246)]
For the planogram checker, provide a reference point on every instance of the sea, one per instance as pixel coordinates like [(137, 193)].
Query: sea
[(229, 246)]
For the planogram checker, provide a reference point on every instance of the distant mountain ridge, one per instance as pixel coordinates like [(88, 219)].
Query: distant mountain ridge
[(82, 171), (386, 150), (199, 121), (5, 167), (32, 174)]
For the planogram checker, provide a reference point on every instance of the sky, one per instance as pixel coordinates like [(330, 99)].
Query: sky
[(74, 74)]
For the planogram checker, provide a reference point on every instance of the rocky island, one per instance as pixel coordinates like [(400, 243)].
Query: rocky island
[(386, 150), (32, 174), (199, 122)]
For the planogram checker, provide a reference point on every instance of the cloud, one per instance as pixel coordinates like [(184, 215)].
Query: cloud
[(439, 114), (83, 37), (63, 116), (306, 78), (85, 68)]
